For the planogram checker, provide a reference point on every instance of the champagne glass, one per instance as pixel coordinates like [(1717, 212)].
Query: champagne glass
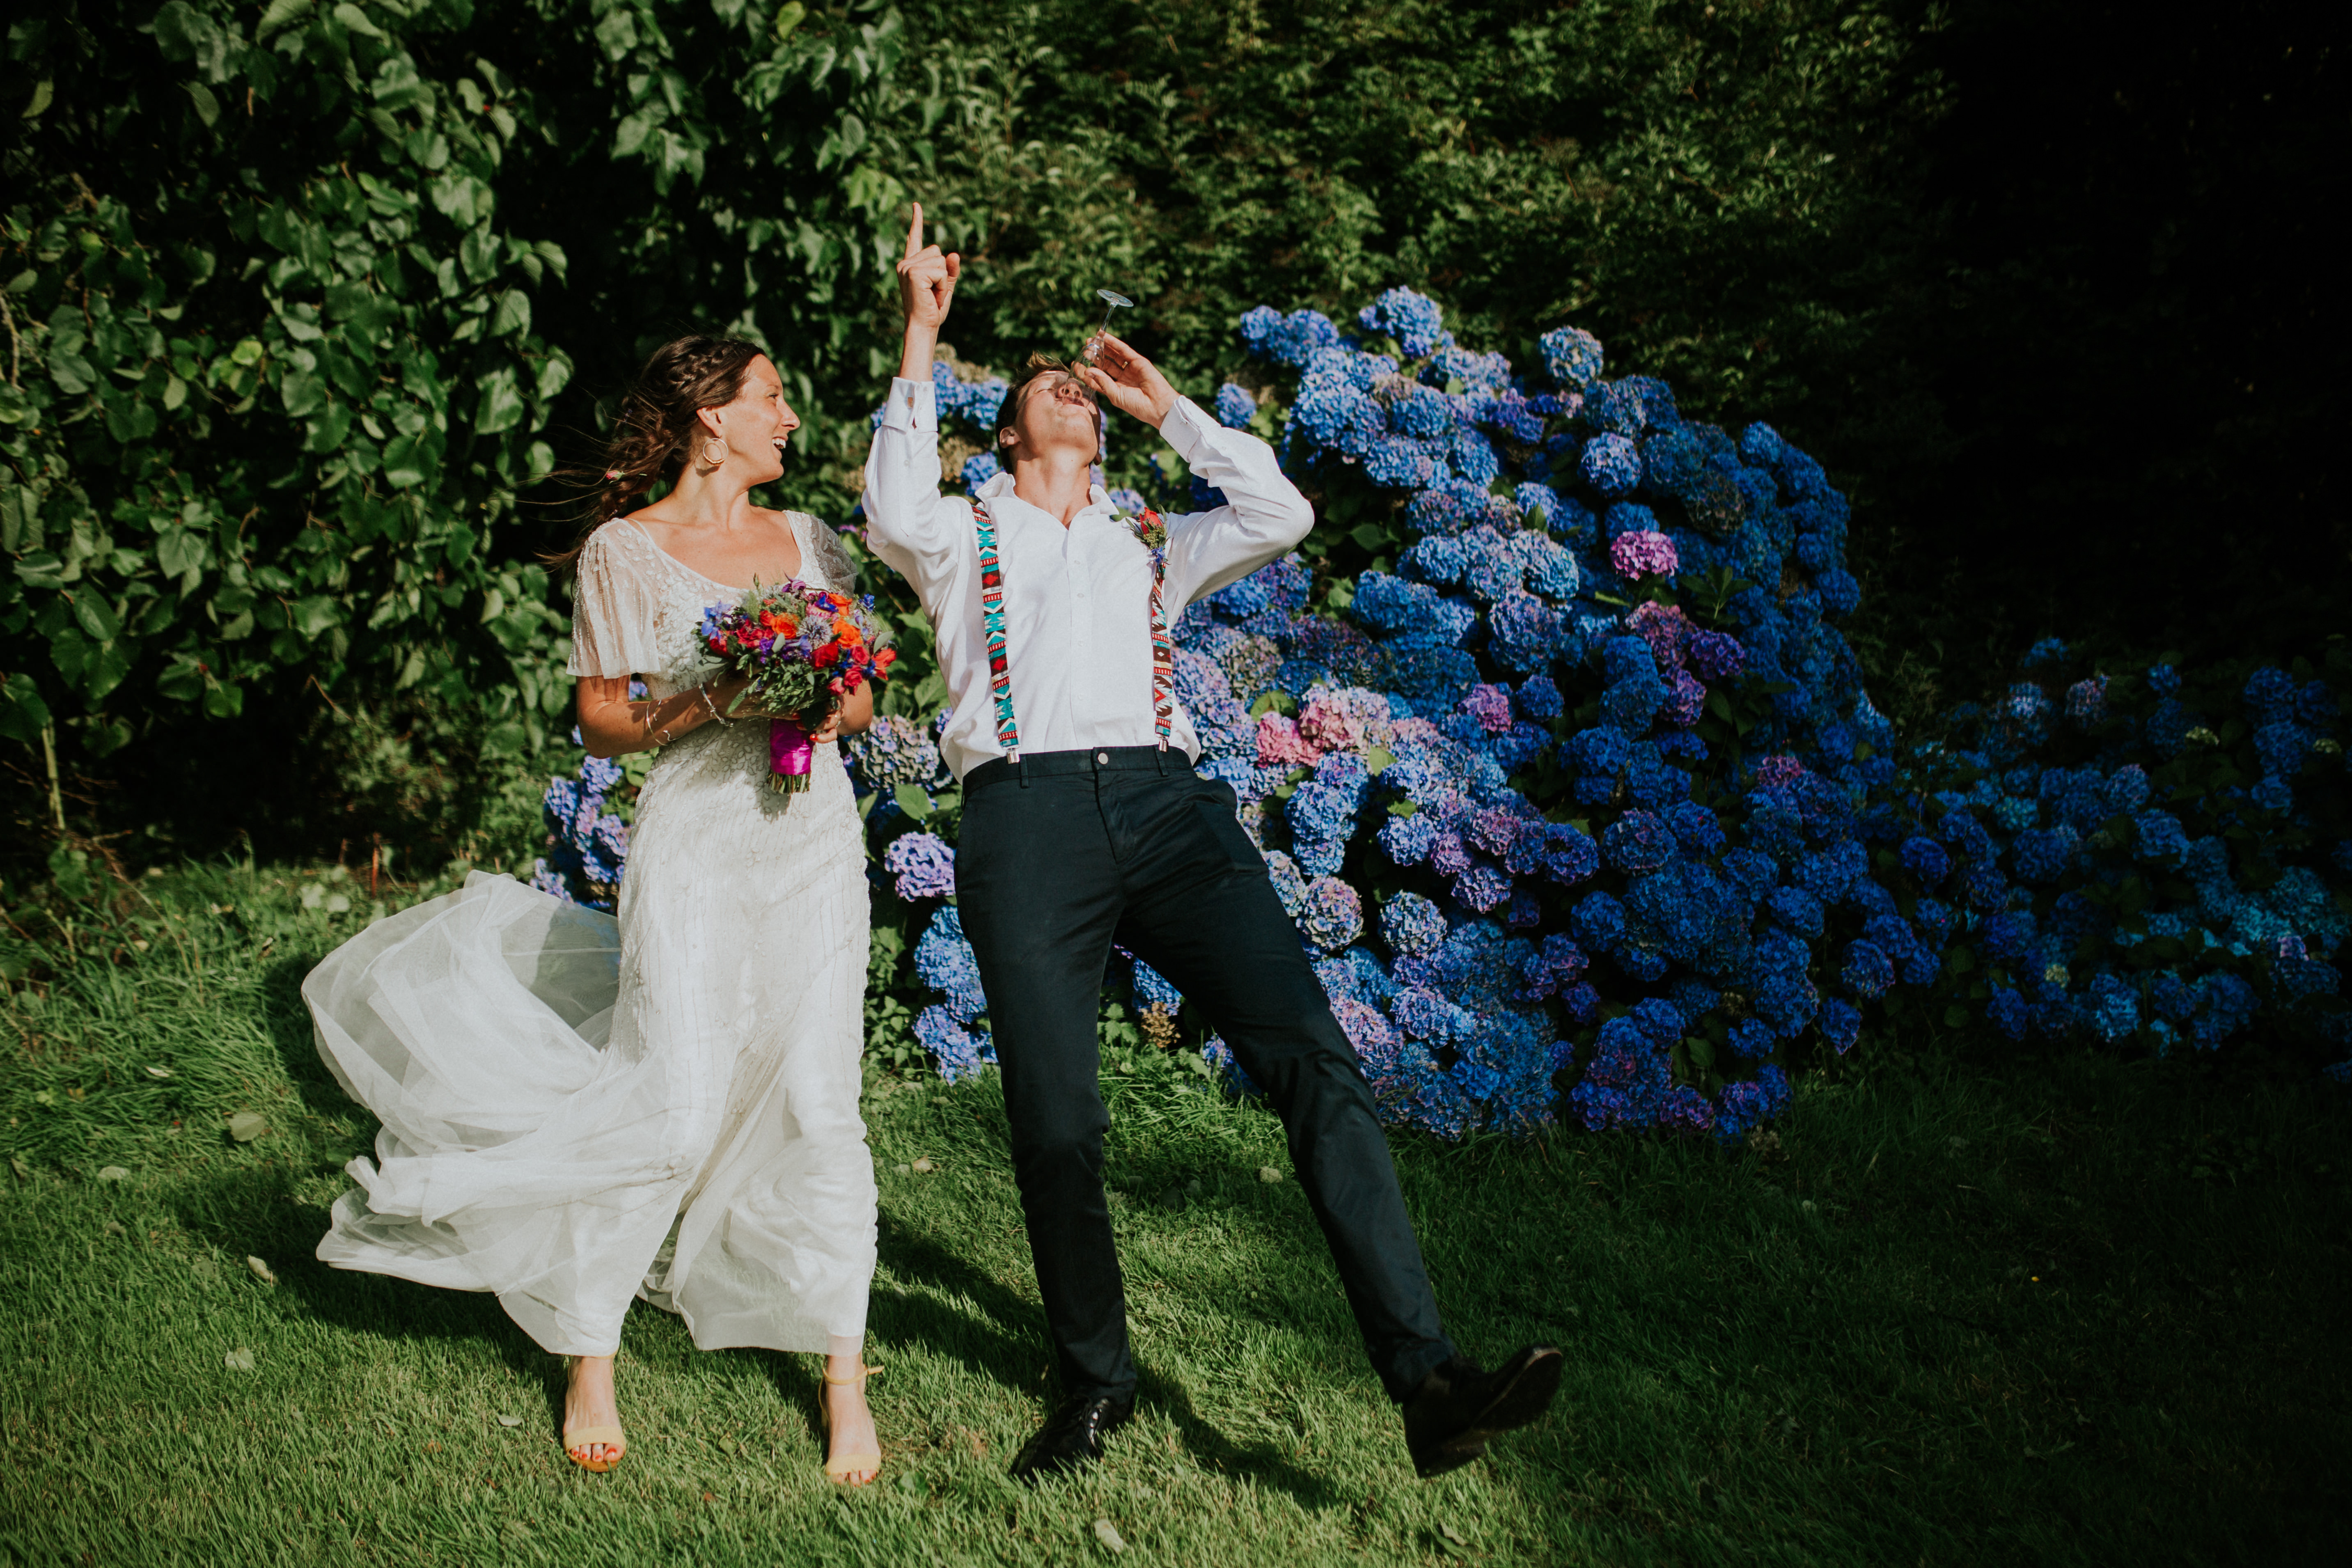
[(1112, 300)]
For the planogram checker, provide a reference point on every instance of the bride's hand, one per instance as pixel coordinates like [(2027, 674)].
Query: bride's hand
[(830, 731)]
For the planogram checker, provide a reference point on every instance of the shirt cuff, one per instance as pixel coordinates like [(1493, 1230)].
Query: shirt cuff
[(913, 406), (1185, 428)]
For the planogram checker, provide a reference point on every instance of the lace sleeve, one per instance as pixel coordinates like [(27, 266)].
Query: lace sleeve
[(833, 559), (616, 608)]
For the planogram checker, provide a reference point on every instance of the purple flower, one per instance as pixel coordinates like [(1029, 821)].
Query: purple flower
[(1449, 856), (2086, 701), (1413, 924), (923, 864), (1717, 655), (1639, 556), (1332, 915), (1686, 699), (1569, 856), (1483, 888), (1494, 830), (1491, 706)]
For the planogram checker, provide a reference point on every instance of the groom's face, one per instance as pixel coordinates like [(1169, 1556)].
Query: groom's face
[(1057, 413)]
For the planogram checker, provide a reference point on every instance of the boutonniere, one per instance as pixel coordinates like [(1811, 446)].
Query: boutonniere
[(1149, 527)]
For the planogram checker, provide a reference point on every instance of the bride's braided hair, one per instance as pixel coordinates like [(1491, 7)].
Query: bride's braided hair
[(655, 431)]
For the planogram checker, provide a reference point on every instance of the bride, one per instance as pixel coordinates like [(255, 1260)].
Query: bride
[(578, 1110)]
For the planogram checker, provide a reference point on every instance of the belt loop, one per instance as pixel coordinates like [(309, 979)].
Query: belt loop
[(1020, 770)]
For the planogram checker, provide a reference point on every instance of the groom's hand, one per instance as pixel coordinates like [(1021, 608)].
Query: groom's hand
[(1132, 384), (927, 279)]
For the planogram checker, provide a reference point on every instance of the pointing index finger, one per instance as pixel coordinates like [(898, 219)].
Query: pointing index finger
[(915, 232)]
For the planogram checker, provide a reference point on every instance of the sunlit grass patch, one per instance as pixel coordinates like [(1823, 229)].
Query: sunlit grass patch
[(2085, 1312)]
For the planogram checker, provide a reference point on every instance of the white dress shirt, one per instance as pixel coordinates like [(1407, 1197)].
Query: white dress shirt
[(1077, 601)]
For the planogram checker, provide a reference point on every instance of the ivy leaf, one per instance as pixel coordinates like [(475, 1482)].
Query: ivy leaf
[(356, 20), (41, 569), (282, 13), (513, 316), (130, 419), (477, 254), (72, 374), (404, 461), (95, 616), (502, 406), (313, 616), (304, 393), (462, 199), (617, 32), (22, 712)]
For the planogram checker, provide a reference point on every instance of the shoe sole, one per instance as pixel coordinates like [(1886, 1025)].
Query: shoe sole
[(1523, 1399)]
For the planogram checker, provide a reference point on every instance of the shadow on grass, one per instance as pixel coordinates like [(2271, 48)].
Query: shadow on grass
[(286, 1017), (1007, 1338)]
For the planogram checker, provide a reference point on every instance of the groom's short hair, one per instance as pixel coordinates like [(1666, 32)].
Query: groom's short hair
[(1039, 365)]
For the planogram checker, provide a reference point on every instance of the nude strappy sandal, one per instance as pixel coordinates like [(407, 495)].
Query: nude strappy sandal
[(838, 1471), (588, 1438)]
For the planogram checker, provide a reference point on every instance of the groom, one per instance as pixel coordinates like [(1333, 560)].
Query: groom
[(1084, 823)]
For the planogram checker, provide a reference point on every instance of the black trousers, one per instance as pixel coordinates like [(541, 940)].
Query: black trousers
[(1058, 858)]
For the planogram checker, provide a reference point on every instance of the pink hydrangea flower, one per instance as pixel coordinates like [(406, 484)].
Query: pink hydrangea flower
[(1775, 771), (1664, 626), (1418, 732), (1639, 556), (1491, 706), (1347, 719), (1280, 743)]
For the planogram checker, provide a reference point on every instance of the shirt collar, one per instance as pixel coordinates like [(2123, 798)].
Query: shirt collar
[(999, 488)]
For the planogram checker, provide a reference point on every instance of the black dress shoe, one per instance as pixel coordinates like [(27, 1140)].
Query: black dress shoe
[(1072, 1437), (1458, 1409)]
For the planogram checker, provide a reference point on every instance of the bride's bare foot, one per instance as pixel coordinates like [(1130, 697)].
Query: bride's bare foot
[(853, 1452), (590, 1400)]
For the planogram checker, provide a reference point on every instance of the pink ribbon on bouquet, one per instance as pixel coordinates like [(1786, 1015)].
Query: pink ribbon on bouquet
[(790, 751)]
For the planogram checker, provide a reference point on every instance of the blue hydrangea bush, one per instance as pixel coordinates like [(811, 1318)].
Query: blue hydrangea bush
[(1564, 769), (2158, 857)]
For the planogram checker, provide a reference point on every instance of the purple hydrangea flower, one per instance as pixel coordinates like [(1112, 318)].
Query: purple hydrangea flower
[(1413, 924), (924, 864), (1639, 556)]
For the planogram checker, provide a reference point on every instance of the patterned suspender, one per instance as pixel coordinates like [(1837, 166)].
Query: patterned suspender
[(992, 626), (1153, 534)]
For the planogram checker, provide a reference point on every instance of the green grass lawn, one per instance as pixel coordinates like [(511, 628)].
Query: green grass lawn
[(2080, 1311)]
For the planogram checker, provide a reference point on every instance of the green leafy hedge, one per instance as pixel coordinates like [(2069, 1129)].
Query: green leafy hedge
[(303, 297), (282, 362)]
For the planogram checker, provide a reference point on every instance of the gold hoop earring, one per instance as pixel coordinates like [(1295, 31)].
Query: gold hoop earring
[(707, 460)]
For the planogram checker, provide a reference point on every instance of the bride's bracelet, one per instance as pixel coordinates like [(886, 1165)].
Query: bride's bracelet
[(707, 702)]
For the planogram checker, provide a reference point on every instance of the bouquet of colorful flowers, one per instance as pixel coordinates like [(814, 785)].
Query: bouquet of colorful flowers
[(804, 651)]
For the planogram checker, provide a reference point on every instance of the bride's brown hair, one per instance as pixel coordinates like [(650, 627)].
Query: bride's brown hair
[(655, 431)]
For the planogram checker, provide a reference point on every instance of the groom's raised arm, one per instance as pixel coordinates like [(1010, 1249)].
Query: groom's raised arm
[(1264, 514), (915, 530)]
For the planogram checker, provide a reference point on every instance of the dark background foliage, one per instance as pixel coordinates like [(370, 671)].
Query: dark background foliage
[(2043, 285)]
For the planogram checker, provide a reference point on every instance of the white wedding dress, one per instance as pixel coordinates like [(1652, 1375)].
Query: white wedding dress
[(578, 1110)]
